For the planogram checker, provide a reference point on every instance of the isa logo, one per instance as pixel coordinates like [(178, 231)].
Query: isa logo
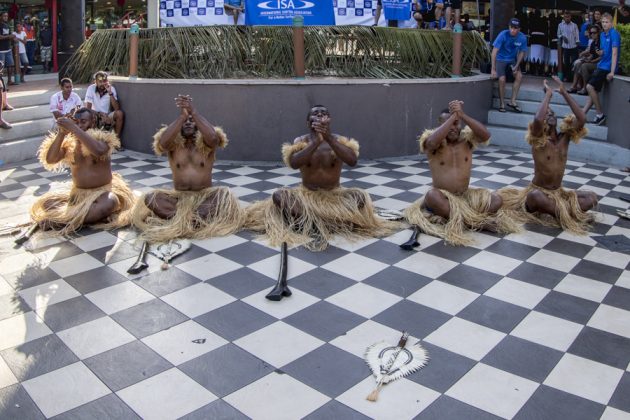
[(218, 11), (350, 3), (185, 12), (367, 4), (177, 4), (210, 3), (163, 5), (201, 11), (286, 4), (193, 3), (170, 13), (358, 12), (341, 11)]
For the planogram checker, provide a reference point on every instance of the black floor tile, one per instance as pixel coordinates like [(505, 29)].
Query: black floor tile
[(603, 347), (247, 253), (162, 283), (95, 279), (149, 318), (453, 253), (384, 251), (538, 275), (397, 281), (570, 248), (444, 369), (446, 407), (15, 403), (69, 313), (216, 410), (335, 410), (107, 407), (470, 278), (597, 271), (418, 320), (242, 282), (618, 297), (12, 304), (324, 320), (235, 320), (321, 283), (512, 249), (621, 397), (552, 404), (494, 313), (567, 307)]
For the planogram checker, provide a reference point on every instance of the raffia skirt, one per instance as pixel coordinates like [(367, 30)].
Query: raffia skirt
[(569, 215), (226, 219), (347, 212), (468, 211), (69, 206)]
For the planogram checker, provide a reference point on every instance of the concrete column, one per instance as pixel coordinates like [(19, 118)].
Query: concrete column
[(153, 13), (72, 16), (501, 11)]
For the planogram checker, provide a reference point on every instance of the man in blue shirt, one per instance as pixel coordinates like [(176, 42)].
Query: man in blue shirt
[(508, 53), (609, 44)]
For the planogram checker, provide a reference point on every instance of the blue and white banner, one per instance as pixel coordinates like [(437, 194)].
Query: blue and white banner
[(397, 9), (210, 12), (282, 12)]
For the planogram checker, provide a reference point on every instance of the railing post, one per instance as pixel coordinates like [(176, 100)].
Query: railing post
[(298, 46), (133, 50), (457, 51), (16, 64)]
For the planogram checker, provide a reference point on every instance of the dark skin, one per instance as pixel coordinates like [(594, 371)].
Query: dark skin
[(104, 88), (66, 90), (550, 161), (87, 172), (192, 170), (320, 162), (451, 163)]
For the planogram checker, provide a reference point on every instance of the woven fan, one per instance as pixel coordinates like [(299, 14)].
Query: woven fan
[(168, 250), (389, 363)]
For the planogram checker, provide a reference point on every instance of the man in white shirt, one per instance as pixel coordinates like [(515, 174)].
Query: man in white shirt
[(20, 37), (102, 98), (64, 103), (569, 36)]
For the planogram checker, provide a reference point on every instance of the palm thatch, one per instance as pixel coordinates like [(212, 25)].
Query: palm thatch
[(228, 52)]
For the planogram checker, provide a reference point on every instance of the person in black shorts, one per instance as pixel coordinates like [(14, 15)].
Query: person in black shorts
[(450, 5)]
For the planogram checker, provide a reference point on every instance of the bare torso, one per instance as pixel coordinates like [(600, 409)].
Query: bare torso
[(323, 170), (550, 163), (192, 170), (450, 166), (90, 172)]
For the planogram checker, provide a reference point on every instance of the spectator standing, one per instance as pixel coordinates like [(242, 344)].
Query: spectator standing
[(20, 37), (585, 38), (597, 19), (31, 41), (610, 45), (234, 8), (3, 123), (508, 53), (568, 38), (102, 98), (6, 44), (65, 102), (45, 39), (451, 5)]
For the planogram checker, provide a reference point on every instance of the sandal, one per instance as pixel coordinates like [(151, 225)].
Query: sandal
[(6, 125), (515, 108), (502, 109), (572, 90), (582, 92)]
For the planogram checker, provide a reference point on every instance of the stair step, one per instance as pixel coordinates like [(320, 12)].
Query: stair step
[(537, 96), (531, 107), (35, 112), (36, 97), (25, 129), (521, 121), (588, 150), (19, 150)]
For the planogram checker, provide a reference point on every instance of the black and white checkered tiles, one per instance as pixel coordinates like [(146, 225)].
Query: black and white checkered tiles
[(534, 325)]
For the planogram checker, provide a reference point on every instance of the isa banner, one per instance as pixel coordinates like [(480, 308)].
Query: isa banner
[(281, 12), (397, 9)]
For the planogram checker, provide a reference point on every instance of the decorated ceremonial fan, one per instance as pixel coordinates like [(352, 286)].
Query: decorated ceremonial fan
[(389, 363), (388, 214), (168, 250)]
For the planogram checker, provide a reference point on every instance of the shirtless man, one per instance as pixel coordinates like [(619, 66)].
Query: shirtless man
[(97, 196), (451, 206), (545, 195), (194, 209), (314, 212)]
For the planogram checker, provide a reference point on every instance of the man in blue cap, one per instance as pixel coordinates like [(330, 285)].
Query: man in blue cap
[(507, 55)]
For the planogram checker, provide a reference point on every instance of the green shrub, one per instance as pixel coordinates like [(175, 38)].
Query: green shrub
[(624, 59)]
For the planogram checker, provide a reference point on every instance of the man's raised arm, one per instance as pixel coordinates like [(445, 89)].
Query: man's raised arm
[(580, 117), (477, 128), (96, 148), (174, 128), (205, 128), (539, 119)]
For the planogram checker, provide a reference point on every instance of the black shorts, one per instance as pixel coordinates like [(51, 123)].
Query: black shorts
[(455, 4), (598, 78)]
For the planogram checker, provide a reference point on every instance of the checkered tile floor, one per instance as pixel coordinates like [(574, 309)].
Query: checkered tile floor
[(534, 325)]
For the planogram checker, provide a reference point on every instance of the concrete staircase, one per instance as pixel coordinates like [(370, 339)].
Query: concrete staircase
[(509, 128), (31, 120)]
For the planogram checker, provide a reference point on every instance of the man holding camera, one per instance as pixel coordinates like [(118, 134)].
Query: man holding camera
[(507, 55), (102, 98)]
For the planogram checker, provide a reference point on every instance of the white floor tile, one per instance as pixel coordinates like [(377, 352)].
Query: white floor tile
[(466, 338), (364, 300), (64, 389), (271, 266), (279, 343), (48, 294), (176, 343), (401, 399), (219, 244), (426, 264), (358, 339), (493, 263), (21, 329), (384, 191), (547, 330), (197, 299), (74, 265), (611, 319), (21, 260), (604, 256), (199, 267), (554, 260), (443, 297), (351, 246), (493, 390), (585, 378), (355, 266), (624, 280), (6, 376), (122, 266), (534, 239), (276, 397), (584, 288), (168, 395), (391, 204), (614, 414), (288, 306), (95, 241), (118, 297), (517, 292), (95, 337)]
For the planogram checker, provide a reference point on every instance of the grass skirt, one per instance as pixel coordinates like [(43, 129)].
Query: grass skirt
[(70, 205), (569, 215), (468, 211), (226, 219), (325, 213)]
